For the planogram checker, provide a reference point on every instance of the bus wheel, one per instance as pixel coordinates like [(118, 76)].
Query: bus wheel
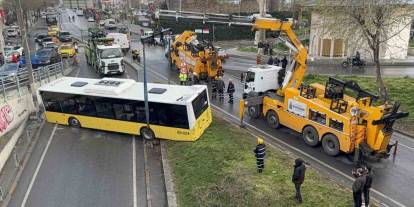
[(74, 122), (254, 111), (310, 136), (330, 144), (147, 133), (272, 119)]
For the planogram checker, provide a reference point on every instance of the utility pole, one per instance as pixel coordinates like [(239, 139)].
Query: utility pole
[(27, 55), (260, 35)]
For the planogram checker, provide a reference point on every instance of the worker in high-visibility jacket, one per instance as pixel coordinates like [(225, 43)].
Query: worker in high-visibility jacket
[(183, 78), (260, 153)]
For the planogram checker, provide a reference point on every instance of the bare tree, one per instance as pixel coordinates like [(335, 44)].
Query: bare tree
[(375, 22)]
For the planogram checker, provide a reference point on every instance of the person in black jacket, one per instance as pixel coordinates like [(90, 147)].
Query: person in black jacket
[(230, 91), (358, 186), (298, 177), (368, 183), (270, 61), (284, 62), (220, 89), (260, 153)]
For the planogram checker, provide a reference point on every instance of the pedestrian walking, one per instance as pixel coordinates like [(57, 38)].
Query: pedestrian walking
[(70, 19), (270, 48), (368, 183), (270, 61), (73, 18), (214, 88), (230, 90), (220, 89), (284, 62), (258, 59), (358, 186), (260, 153), (298, 177)]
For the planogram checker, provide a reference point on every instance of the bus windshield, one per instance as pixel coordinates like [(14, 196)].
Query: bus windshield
[(200, 104)]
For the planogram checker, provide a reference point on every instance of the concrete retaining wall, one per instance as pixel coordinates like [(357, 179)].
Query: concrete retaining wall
[(14, 112)]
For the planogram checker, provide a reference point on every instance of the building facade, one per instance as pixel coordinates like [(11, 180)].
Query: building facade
[(323, 44)]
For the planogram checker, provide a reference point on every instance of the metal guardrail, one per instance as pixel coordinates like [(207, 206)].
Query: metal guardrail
[(17, 84)]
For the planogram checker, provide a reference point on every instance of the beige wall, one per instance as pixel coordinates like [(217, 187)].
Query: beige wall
[(323, 44)]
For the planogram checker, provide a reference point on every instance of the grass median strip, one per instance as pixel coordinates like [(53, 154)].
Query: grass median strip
[(399, 89), (219, 170)]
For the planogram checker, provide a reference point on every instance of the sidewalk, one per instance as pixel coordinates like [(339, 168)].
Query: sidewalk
[(234, 52)]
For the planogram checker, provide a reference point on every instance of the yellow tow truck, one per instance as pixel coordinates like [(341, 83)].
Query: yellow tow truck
[(323, 114)]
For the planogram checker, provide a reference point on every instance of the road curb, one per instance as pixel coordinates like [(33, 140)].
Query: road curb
[(404, 133), (26, 157), (168, 178)]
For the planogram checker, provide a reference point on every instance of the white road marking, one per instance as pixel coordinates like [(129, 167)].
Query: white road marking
[(406, 146), (134, 172), (147, 175), (295, 149), (26, 196)]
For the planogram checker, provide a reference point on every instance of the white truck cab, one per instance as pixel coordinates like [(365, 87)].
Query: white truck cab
[(110, 59), (260, 79)]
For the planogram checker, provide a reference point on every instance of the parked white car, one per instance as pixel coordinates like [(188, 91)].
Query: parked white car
[(102, 23), (90, 19), (12, 32)]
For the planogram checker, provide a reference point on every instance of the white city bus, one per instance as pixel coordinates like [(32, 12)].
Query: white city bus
[(113, 104)]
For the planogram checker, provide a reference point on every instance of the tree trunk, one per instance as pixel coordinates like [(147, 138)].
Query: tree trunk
[(380, 82)]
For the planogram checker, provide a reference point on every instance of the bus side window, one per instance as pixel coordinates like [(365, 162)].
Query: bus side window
[(123, 112), (85, 106), (51, 102), (68, 104), (104, 108)]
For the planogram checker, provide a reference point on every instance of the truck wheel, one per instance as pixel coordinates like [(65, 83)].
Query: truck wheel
[(147, 133), (310, 136), (254, 111), (272, 119), (330, 145), (74, 122)]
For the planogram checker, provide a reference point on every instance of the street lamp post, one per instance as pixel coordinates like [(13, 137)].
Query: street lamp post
[(27, 55), (143, 41)]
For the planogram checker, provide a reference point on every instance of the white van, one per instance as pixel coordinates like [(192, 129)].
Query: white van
[(79, 12), (110, 24), (121, 40)]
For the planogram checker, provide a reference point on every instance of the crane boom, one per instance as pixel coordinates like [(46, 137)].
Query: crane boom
[(295, 76)]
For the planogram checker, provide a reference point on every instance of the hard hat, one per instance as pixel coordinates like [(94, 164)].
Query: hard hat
[(260, 141)]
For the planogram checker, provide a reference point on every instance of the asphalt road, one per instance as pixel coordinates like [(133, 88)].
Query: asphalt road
[(83, 167), (392, 184)]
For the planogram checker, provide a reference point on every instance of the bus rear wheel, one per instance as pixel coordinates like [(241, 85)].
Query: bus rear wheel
[(74, 122), (310, 136), (330, 145), (272, 119), (147, 133)]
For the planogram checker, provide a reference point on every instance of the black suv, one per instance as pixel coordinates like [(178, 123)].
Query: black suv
[(47, 56), (64, 36)]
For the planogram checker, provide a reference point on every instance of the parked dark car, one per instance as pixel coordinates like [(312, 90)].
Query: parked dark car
[(47, 56), (9, 71), (64, 36), (40, 37)]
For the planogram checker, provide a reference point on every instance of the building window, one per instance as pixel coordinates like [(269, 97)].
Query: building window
[(338, 47), (326, 49)]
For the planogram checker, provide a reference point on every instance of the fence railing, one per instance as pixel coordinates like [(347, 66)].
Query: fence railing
[(13, 85)]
